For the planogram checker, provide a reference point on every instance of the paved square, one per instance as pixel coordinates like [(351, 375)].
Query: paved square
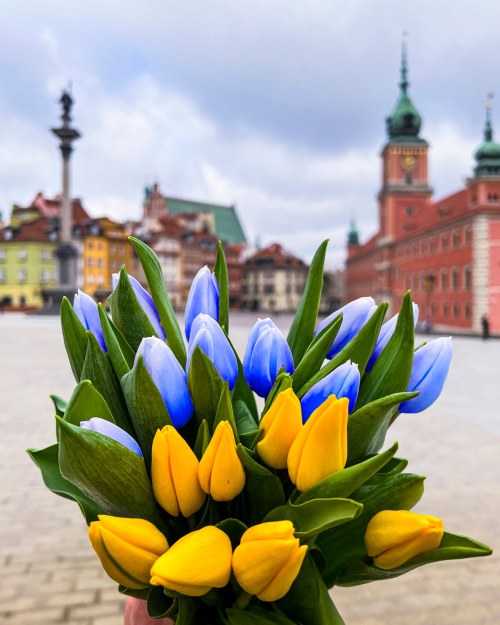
[(45, 553)]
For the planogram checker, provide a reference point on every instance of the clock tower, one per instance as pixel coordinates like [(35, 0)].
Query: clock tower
[(405, 190)]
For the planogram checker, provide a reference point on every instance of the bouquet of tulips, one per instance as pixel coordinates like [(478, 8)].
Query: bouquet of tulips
[(214, 511)]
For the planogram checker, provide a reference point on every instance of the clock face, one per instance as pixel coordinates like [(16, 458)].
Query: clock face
[(408, 162)]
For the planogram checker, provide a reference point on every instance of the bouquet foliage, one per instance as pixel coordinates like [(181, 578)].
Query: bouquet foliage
[(214, 511)]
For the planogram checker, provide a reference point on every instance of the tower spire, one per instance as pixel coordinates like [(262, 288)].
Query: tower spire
[(404, 63), (488, 126)]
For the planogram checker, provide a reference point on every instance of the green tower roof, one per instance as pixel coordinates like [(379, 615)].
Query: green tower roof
[(488, 153), (405, 122)]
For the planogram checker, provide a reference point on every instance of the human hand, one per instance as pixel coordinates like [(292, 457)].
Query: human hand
[(136, 613)]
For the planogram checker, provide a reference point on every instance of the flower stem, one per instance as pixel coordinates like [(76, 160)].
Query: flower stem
[(243, 600), (191, 523)]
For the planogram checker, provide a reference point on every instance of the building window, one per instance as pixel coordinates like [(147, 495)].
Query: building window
[(22, 254), (468, 311), (99, 245), (410, 211), (455, 279), (432, 246), (3, 254), (408, 178), (112, 249), (90, 262), (468, 278), (90, 245), (444, 241), (433, 309), (44, 254), (44, 276), (121, 250), (468, 234), (268, 289), (446, 309), (100, 279), (100, 262), (424, 247), (456, 238), (444, 280), (22, 276), (456, 310), (3, 275), (90, 279)]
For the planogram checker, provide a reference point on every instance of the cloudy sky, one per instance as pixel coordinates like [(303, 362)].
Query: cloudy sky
[(276, 106)]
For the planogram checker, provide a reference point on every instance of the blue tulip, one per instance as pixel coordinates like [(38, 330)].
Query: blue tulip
[(146, 302), (342, 382), (207, 334), (430, 368), (386, 331), (86, 309), (267, 352), (203, 298), (112, 431), (169, 378), (354, 316)]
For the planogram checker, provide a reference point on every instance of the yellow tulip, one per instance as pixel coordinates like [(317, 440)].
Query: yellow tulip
[(127, 548), (281, 424), (174, 473), (268, 559), (197, 562), (221, 472), (395, 536), (320, 447)]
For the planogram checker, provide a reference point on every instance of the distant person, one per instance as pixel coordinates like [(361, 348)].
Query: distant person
[(485, 325)]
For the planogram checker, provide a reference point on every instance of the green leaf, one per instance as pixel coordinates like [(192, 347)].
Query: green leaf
[(345, 482), (343, 544), (358, 350), (308, 601), (75, 337), (146, 406), (202, 440), (317, 515), (225, 411), (234, 528), (245, 421), (128, 314), (59, 404), (156, 283), (47, 461), (120, 361), (160, 605), (367, 427), (138, 593), (282, 383), (452, 547), (85, 403), (188, 607), (304, 323), (316, 354), (255, 615), (220, 270), (97, 368), (111, 475), (205, 386), (242, 391), (263, 490), (391, 372)]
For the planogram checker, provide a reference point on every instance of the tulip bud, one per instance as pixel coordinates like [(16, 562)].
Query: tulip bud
[(354, 316), (203, 298), (127, 548), (112, 431), (174, 473), (209, 337), (395, 536), (169, 377), (267, 352), (268, 559), (320, 448), (197, 562), (88, 313), (342, 382), (386, 331), (281, 424), (221, 472), (146, 302), (430, 368)]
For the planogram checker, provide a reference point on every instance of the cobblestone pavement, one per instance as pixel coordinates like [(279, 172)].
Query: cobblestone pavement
[(50, 574)]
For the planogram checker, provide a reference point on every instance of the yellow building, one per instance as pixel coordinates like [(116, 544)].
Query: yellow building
[(105, 249)]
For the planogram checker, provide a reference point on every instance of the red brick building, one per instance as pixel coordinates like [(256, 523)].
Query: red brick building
[(447, 251)]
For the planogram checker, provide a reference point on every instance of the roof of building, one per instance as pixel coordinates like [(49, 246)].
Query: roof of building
[(228, 227), (488, 154), (50, 208), (405, 122), (275, 256), (41, 229)]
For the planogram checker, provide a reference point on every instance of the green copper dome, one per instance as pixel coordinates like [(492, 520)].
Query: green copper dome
[(405, 121), (488, 153)]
